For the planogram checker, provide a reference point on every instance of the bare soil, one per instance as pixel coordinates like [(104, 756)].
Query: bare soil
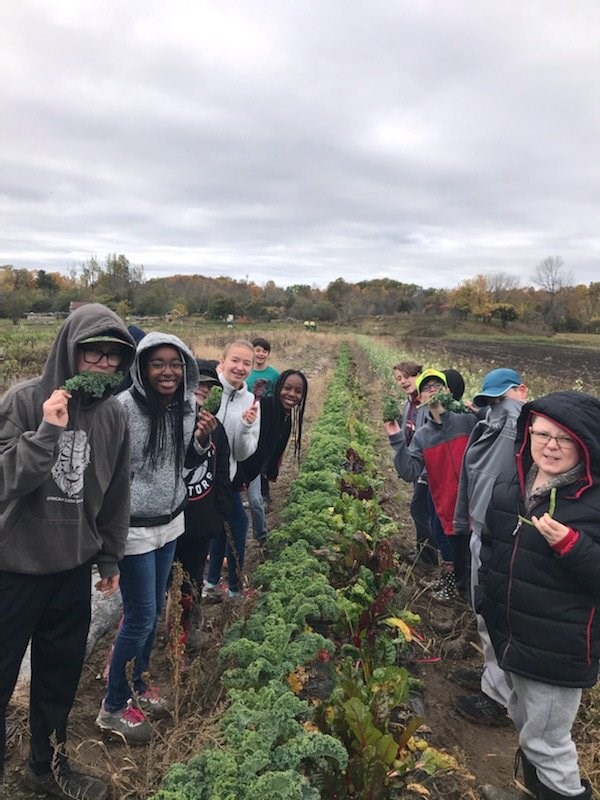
[(449, 640)]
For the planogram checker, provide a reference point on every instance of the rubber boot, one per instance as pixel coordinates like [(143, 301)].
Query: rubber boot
[(530, 778)]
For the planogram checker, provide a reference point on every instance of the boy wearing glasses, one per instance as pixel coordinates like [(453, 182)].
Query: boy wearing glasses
[(539, 590), (64, 505)]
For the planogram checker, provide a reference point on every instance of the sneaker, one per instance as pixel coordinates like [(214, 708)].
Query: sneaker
[(211, 592), (467, 677), (482, 710), (444, 589), (235, 596), (68, 784), (129, 723), (152, 705)]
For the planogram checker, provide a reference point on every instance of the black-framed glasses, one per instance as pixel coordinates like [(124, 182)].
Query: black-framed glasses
[(543, 438), (427, 387), (93, 356), (161, 366)]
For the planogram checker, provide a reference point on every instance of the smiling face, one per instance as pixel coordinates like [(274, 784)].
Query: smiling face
[(552, 448), (260, 357), (291, 392), (164, 371), (406, 382), (237, 364)]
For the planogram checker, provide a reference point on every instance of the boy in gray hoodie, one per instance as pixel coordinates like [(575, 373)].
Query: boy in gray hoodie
[(489, 453), (64, 505)]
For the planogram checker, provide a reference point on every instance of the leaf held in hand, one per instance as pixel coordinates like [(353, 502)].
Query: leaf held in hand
[(93, 383), (213, 401), (391, 410)]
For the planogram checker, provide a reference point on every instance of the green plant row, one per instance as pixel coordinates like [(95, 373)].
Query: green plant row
[(313, 675)]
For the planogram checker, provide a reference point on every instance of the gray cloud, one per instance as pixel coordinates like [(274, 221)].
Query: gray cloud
[(300, 142)]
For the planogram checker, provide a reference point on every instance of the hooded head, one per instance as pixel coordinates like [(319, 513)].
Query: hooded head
[(156, 339), (89, 323), (578, 414)]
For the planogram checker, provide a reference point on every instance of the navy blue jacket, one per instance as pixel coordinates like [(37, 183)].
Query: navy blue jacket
[(542, 609)]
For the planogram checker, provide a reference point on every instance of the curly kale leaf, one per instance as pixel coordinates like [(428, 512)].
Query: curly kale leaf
[(93, 383), (213, 401), (391, 410), (447, 400)]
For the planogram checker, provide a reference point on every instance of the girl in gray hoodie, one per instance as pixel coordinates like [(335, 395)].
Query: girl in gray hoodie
[(161, 413)]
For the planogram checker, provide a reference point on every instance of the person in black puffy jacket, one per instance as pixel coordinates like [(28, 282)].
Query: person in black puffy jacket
[(539, 587)]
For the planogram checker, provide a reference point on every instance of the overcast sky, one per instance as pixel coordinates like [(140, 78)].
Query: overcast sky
[(302, 140)]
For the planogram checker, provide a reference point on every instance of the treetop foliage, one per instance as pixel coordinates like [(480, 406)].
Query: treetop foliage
[(556, 302)]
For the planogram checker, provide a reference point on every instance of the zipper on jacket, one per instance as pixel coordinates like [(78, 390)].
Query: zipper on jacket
[(509, 590)]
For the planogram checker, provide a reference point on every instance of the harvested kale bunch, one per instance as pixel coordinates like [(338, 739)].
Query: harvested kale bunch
[(93, 383), (446, 399), (391, 410), (213, 401)]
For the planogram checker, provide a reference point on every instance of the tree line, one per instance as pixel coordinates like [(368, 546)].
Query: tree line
[(552, 299)]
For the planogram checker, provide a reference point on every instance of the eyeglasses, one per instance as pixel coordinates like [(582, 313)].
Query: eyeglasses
[(162, 366), (92, 356), (543, 438), (428, 387)]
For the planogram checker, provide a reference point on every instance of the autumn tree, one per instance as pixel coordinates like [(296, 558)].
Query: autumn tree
[(551, 277)]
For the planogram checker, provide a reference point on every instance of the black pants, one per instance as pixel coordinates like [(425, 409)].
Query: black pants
[(54, 611)]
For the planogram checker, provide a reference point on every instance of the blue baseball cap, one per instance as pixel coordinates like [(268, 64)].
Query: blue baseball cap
[(495, 384)]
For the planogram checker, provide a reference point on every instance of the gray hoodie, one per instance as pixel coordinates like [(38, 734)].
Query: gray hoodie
[(64, 492), (158, 493), (490, 452)]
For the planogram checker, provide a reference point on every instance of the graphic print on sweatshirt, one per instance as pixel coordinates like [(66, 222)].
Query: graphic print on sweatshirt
[(70, 465), (199, 480)]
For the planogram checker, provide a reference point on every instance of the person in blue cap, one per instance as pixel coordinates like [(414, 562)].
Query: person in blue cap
[(489, 453)]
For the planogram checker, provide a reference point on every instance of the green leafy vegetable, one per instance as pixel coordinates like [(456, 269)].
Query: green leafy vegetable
[(213, 401), (447, 400), (94, 383), (391, 410)]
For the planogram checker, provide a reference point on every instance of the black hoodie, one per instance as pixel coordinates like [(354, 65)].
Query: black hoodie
[(542, 608), (64, 492)]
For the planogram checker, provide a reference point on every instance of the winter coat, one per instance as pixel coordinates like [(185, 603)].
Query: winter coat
[(64, 492), (439, 447), (541, 608), (242, 437), (275, 430), (490, 453), (158, 491)]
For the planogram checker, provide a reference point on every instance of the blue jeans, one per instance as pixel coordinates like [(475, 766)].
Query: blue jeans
[(143, 587), (257, 509), (443, 541), (238, 524)]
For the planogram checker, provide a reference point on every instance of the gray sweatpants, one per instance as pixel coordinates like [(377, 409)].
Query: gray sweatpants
[(543, 716)]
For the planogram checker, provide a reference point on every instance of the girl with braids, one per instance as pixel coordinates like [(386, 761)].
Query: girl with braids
[(161, 413), (281, 416)]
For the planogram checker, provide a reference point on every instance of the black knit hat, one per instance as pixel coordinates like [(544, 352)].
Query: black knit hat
[(455, 383)]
